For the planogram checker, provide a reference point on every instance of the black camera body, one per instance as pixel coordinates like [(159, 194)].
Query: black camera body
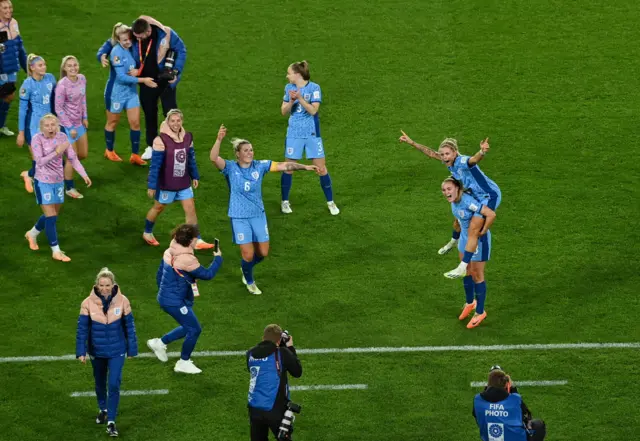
[(4, 37), (169, 73), (284, 338), (286, 425)]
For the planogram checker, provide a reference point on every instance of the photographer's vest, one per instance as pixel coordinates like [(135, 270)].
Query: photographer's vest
[(501, 421), (174, 175), (265, 380)]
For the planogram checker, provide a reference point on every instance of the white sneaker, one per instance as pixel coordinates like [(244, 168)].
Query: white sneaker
[(460, 271), (448, 247), (285, 207), (6, 132), (148, 153), (333, 208), (158, 348), (253, 289), (186, 367), (74, 193)]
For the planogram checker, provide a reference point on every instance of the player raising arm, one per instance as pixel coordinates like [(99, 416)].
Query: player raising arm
[(465, 169), (246, 208)]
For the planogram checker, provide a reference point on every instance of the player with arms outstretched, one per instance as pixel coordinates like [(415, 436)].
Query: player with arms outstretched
[(246, 208), (465, 169)]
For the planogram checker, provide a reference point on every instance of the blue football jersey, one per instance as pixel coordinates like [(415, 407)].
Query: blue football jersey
[(37, 98), (473, 178), (122, 62), (465, 209), (301, 123), (245, 188)]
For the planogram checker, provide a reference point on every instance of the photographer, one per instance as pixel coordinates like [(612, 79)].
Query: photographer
[(502, 415), (269, 362), (12, 57), (160, 54)]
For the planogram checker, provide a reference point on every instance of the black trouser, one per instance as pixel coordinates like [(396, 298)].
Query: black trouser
[(262, 421), (149, 102), (540, 430)]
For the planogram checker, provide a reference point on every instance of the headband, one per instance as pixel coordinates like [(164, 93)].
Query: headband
[(35, 60)]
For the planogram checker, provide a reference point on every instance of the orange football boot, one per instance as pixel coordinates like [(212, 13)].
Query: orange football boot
[(111, 155), (476, 320), (202, 245), (135, 159), (466, 310)]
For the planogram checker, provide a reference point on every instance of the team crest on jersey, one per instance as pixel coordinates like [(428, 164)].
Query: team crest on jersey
[(307, 96), (116, 311), (461, 213), (255, 175), (463, 160), (50, 87)]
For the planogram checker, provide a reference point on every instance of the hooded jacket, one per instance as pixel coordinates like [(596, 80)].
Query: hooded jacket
[(178, 269), (105, 327)]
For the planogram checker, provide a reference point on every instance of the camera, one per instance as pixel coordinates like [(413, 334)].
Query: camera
[(286, 425), (168, 73), (4, 37), (284, 338)]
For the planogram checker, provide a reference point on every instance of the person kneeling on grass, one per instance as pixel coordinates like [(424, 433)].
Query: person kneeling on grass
[(176, 278), (107, 332), (502, 415)]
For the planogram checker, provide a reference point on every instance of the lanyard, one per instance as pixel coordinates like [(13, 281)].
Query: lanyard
[(142, 60)]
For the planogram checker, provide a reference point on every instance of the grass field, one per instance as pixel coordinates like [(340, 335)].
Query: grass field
[(554, 86)]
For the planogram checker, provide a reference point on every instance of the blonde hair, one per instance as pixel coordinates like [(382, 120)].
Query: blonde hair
[(118, 29), (63, 73), (47, 117), (449, 142), (174, 112), (31, 58), (107, 274), (237, 143)]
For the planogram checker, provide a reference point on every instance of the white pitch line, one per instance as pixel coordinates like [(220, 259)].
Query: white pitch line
[(331, 387), (369, 350), (124, 393), (526, 383)]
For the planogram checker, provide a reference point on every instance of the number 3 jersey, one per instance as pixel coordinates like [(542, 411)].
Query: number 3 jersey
[(245, 187), (36, 100), (301, 123)]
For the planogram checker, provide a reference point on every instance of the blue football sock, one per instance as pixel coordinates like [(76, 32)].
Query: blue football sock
[(199, 235), (481, 296), (256, 259), (110, 138), (467, 281), (68, 183), (455, 235), (50, 230), (148, 226), (247, 271), (4, 109), (32, 170), (325, 183), (466, 258), (40, 223), (134, 136), (286, 180)]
